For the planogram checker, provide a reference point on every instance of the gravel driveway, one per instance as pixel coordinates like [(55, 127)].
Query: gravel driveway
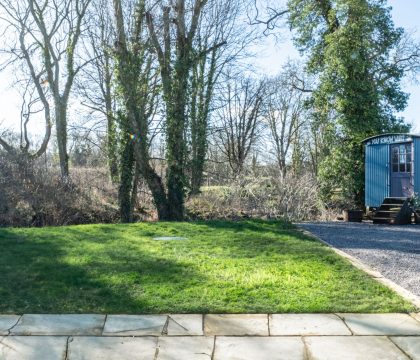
[(394, 251)]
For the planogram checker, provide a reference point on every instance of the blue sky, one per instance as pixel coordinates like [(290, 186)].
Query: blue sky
[(271, 57)]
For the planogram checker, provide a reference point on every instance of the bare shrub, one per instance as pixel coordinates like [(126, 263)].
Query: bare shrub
[(292, 198), (33, 194)]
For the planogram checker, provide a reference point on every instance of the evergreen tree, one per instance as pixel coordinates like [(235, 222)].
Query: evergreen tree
[(349, 45)]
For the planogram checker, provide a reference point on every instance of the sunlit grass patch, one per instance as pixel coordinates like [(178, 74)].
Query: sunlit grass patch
[(221, 267)]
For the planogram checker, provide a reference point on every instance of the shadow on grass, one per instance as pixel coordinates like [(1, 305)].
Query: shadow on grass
[(41, 275), (120, 269)]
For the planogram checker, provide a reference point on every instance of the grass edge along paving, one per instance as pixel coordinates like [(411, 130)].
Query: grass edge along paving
[(223, 267)]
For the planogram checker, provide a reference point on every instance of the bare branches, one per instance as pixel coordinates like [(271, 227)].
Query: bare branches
[(163, 55), (406, 56), (285, 110), (271, 17), (46, 34), (240, 121), (198, 8), (10, 149)]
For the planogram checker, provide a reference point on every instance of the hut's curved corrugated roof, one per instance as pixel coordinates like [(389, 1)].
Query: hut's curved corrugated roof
[(390, 134)]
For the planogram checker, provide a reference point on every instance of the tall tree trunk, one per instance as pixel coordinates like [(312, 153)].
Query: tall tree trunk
[(155, 184), (134, 74), (112, 147), (111, 123), (134, 190), (202, 87), (197, 166), (176, 63), (176, 163), (176, 142), (61, 128), (126, 182)]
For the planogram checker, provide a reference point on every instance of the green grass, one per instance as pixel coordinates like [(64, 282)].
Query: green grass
[(223, 267)]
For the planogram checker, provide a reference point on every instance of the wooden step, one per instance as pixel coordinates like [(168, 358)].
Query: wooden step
[(383, 220), (395, 200), (393, 211), (391, 205), (386, 213)]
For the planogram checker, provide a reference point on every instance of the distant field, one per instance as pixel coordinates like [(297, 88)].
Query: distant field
[(222, 267)]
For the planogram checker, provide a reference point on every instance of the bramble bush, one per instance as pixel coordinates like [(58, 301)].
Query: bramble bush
[(291, 198), (33, 194)]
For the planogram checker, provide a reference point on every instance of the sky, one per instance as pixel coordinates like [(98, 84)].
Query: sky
[(271, 56)]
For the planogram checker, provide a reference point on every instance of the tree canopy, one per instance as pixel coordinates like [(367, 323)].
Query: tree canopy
[(352, 49)]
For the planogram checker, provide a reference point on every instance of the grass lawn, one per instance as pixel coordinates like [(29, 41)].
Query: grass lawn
[(223, 267)]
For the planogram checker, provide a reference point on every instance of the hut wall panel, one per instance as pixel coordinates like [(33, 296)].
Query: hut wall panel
[(377, 176), (417, 165)]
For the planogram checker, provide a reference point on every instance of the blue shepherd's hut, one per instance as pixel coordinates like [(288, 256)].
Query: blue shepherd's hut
[(392, 169)]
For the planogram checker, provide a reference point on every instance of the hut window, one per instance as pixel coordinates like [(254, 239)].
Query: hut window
[(395, 159), (401, 158), (408, 158)]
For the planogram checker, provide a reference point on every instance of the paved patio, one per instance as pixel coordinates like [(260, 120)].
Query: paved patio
[(194, 336)]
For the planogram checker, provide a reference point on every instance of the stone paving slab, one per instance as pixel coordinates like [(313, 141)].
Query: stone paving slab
[(33, 348), (381, 324), (261, 348), (212, 336), (185, 324), (60, 324), (6, 322), (185, 348), (409, 344), (112, 348), (236, 324), (416, 316), (136, 325), (352, 348), (307, 324)]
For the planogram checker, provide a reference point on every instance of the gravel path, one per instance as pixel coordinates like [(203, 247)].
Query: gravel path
[(394, 251)]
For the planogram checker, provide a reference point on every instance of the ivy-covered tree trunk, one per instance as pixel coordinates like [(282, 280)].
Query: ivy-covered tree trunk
[(153, 180), (176, 121), (175, 55), (138, 94), (112, 147), (202, 85), (126, 181), (198, 152)]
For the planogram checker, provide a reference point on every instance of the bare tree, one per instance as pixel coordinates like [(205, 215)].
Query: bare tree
[(405, 57), (46, 35), (96, 85), (223, 40), (31, 106), (240, 120), (285, 111)]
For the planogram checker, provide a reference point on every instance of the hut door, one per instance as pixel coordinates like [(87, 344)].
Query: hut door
[(401, 170)]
